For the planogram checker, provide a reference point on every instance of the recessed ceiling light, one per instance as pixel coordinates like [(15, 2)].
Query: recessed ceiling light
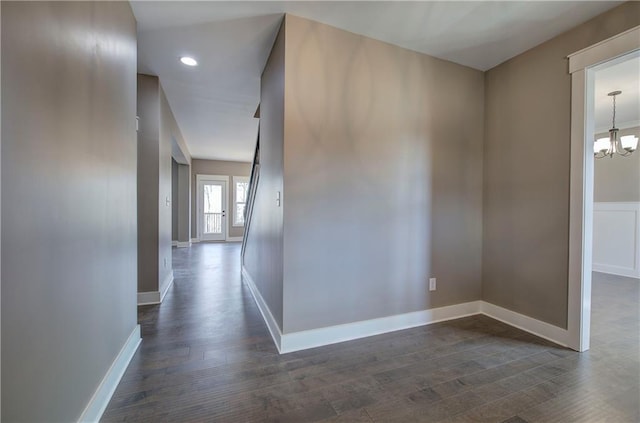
[(189, 61)]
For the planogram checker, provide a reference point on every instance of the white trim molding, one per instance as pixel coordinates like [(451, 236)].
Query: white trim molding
[(302, 340), (195, 240), (148, 298), (528, 324), (156, 297), (234, 239), (616, 238), (605, 50), (181, 244), (101, 397), (312, 338), (272, 325), (164, 288), (174, 243)]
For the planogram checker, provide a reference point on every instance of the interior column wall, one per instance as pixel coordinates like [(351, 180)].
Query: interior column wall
[(148, 183), (184, 204), (263, 250), (157, 135), (174, 200), (382, 167)]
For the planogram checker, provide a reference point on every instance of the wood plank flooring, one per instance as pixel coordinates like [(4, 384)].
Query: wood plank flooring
[(207, 356)]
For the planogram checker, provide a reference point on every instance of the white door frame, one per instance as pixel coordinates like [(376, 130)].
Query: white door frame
[(582, 67), (213, 178)]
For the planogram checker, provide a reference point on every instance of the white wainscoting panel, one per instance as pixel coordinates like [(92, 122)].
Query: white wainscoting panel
[(616, 238)]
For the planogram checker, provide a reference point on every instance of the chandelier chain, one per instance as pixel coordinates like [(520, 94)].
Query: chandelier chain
[(614, 111)]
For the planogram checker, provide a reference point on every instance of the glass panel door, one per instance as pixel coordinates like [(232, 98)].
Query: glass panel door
[(212, 200), (212, 210)]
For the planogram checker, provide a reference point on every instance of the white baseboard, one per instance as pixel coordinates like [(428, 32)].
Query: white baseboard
[(528, 324), (234, 239), (617, 270), (194, 240), (183, 244), (168, 280), (333, 334), (148, 298), (296, 341), (174, 243), (272, 325), (101, 397), (156, 297)]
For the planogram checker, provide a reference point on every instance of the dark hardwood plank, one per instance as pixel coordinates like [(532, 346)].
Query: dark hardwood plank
[(206, 355)]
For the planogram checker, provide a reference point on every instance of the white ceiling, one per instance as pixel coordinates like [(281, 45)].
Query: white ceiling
[(214, 103), (623, 77)]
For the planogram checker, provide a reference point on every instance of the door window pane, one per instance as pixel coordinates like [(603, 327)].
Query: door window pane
[(212, 209)]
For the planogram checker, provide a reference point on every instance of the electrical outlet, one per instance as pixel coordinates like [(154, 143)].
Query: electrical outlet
[(432, 284)]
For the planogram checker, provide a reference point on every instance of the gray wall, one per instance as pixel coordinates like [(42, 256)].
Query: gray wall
[(174, 200), (382, 178), (526, 171), (148, 171), (0, 219), (69, 202), (184, 203), (158, 133), (168, 129), (618, 178), (217, 167), (264, 243)]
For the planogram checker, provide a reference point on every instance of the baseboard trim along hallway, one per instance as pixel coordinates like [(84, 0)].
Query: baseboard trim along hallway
[(296, 341), (528, 324), (101, 397), (156, 297), (303, 340), (268, 318)]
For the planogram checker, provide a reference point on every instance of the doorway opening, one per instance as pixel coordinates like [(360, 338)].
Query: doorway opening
[(615, 279), (583, 66)]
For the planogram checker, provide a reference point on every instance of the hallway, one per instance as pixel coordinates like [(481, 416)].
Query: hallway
[(206, 355)]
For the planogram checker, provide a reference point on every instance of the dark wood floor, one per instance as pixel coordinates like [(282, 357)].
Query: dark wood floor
[(207, 356)]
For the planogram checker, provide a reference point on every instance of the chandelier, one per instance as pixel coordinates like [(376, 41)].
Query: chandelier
[(623, 146)]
